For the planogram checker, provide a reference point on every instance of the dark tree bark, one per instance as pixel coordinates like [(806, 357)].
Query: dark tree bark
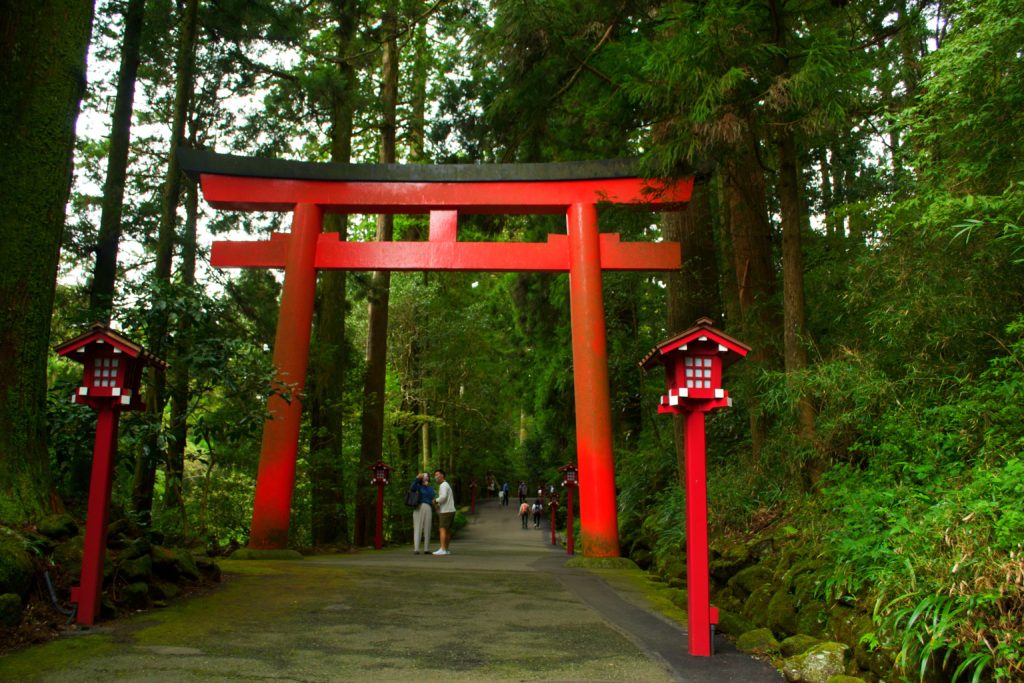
[(377, 325), (793, 303), (146, 461), (101, 292), (42, 80), (329, 362), (755, 276), (693, 289)]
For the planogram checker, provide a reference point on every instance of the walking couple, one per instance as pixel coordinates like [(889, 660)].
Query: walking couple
[(422, 514)]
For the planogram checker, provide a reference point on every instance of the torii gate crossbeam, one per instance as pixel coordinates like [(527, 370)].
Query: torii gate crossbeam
[(443, 192)]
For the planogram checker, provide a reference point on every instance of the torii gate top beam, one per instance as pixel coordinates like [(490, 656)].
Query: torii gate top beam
[(250, 184)]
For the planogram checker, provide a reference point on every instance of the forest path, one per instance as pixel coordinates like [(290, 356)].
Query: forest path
[(501, 607)]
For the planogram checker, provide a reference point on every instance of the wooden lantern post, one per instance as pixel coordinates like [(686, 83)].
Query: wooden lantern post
[(694, 361), (570, 480), (113, 371), (381, 476)]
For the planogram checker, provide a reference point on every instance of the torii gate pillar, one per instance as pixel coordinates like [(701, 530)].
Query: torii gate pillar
[(598, 516)]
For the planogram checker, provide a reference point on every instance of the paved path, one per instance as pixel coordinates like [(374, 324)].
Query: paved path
[(502, 607)]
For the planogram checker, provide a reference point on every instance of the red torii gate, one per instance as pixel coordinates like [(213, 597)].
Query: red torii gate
[(309, 190)]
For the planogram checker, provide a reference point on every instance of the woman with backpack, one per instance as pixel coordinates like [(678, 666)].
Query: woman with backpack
[(422, 513)]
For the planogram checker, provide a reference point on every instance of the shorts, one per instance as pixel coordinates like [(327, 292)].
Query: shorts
[(446, 519)]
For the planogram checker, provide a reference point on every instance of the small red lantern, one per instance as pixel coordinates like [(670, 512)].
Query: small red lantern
[(381, 476), (570, 475), (113, 371), (694, 361), (570, 480)]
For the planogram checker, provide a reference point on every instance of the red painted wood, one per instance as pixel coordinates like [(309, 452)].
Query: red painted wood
[(378, 536), (276, 476), (569, 524), (444, 226), (598, 516), (270, 194), (550, 256), (87, 594), (697, 582)]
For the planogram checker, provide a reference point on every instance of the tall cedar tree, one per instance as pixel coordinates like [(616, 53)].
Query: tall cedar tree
[(42, 77)]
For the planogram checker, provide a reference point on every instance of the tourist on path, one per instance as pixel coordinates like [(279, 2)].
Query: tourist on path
[(524, 513), (522, 492), (423, 513), (445, 503), (538, 507), (504, 495)]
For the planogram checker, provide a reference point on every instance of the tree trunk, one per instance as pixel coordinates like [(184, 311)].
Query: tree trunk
[(693, 289), (42, 79), (793, 305), (180, 377), (377, 324), (145, 464), (101, 291), (755, 277), (329, 362)]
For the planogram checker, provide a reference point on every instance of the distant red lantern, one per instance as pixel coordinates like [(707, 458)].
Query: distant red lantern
[(570, 480), (381, 478), (113, 372), (694, 361)]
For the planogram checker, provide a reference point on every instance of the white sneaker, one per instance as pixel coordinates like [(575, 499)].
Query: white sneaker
[(441, 551)]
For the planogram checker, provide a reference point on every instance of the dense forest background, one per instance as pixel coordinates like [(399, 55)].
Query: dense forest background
[(857, 221)]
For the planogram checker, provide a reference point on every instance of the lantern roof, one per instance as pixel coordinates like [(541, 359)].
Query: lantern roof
[(100, 333), (730, 348)]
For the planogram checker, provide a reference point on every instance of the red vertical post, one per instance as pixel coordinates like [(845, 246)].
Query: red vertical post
[(552, 506), (275, 480), (697, 583), (569, 549), (378, 538), (87, 595), (598, 517)]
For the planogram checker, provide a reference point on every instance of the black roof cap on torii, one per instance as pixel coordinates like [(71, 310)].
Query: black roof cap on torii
[(196, 162)]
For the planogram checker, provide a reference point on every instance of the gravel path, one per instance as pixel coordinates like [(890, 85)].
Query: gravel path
[(501, 607)]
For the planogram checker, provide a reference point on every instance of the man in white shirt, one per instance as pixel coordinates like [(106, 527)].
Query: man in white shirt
[(445, 503)]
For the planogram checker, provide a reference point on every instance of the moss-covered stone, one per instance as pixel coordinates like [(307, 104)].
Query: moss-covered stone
[(797, 645), (733, 623), (843, 678), (818, 664), (679, 597), (804, 587), (848, 625), (163, 591), (170, 563), (812, 618), (725, 597), (208, 568), (756, 606), (58, 527), (135, 595), (759, 641), (781, 615), (16, 569), (10, 609), (137, 548), (136, 569), (602, 563), (749, 580), (730, 561), (879, 661)]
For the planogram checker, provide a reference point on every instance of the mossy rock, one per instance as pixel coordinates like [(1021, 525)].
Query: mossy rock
[(208, 568), (880, 661), (812, 618), (136, 569), (759, 641), (679, 597), (804, 587), (171, 563), (843, 678), (800, 569), (10, 609), (16, 570), (818, 664), (135, 595), (798, 644), (848, 625), (729, 562), (724, 597), (161, 591), (642, 557), (781, 616), (734, 623), (137, 548), (671, 566), (756, 606), (254, 554), (749, 580), (58, 527), (602, 563), (69, 555)]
